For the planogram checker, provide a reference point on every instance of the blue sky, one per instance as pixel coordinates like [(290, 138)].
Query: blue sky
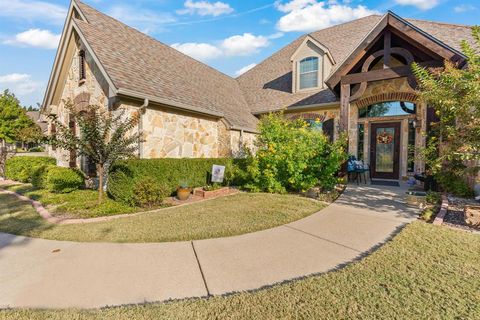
[(229, 35)]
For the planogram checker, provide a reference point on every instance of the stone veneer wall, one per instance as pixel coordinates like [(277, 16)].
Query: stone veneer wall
[(398, 89), (94, 84), (175, 135)]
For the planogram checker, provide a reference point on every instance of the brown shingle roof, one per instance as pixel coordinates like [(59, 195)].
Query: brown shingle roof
[(135, 61), (268, 86)]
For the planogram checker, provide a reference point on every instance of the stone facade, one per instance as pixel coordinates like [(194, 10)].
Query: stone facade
[(176, 135), (93, 85), (388, 90), (167, 133)]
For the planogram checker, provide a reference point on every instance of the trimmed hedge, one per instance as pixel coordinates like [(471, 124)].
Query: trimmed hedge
[(63, 180), (172, 173), (23, 168)]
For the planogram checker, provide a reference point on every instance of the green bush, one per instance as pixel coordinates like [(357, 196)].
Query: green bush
[(39, 176), (63, 180), (454, 183), (291, 156), (36, 149), (148, 193), (23, 168), (433, 197), (171, 173)]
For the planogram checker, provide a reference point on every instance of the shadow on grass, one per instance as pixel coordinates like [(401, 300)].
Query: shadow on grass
[(17, 217)]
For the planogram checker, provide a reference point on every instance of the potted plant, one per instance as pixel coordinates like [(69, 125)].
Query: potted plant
[(183, 192)]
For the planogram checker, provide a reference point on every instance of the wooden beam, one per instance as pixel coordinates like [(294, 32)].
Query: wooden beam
[(387, 45), (408, 33), (344, 106), (357, 54), (384, 74)]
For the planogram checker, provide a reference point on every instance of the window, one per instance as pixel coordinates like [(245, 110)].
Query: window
[(81, 65), (308, 68), (411, 146), (315, 124), (388, 109), (360, 142)]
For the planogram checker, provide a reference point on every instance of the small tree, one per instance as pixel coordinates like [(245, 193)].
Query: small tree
[(454, 93), (104, 137), (32, 134), (13, 119), (292, 156)]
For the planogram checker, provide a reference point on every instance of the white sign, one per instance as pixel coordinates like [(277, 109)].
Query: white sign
[(218, 172)]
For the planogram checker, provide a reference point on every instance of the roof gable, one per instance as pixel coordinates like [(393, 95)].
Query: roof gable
[(140, 66), (318, 45), (402, 28)]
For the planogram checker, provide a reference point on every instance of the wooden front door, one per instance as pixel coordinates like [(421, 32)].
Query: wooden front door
[(385, 150)]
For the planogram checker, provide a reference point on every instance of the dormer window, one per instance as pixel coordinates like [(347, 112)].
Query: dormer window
[(81, 65), (308, 73)]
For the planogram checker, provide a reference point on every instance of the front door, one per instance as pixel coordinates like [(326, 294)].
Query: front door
[(385, 150)]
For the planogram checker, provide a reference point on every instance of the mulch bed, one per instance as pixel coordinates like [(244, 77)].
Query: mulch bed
[(455, 215)]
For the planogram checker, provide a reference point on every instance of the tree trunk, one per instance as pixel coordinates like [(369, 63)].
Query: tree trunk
[(100, 183)]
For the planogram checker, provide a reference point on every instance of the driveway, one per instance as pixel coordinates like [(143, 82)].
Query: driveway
[(61, 274)]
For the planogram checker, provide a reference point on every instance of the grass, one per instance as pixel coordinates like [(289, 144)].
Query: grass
[(221, 217), (426, 272), (76, 204)]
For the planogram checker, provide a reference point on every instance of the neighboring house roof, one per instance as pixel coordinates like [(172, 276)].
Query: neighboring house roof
[(35, 116), (139, 63), (268, 86)]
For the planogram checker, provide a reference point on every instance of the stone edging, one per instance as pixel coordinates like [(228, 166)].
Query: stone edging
[(45, 214), (443, 211)]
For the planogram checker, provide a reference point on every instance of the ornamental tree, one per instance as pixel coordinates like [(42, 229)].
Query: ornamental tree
[(454, 93), (13, 118), (291, 156), (104, 137)]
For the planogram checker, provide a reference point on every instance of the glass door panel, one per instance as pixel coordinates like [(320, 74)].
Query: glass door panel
[(385, 151)]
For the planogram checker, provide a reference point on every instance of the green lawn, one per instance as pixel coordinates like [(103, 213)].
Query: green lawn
[(221, 217), (76, 204), (426, 272)]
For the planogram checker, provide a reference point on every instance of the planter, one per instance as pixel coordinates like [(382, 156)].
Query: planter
[(416, 198), (211, 194), (183, 193), (472, 216)]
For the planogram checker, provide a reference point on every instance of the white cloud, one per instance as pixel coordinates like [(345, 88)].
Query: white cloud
[(244, 69), (146, 21), (420, 4), (205, 8), (311, 15), (463, 8), (33, 11), (19, 83), (35, 38), (238, 45), (244, 45), (199, 51)]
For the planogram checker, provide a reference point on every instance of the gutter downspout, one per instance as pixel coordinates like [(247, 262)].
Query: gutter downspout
[(141, 112)]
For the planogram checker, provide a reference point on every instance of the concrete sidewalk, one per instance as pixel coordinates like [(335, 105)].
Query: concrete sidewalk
[(60, 274)]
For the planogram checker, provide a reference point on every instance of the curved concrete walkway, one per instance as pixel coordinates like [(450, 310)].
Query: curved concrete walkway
[(60, 274)]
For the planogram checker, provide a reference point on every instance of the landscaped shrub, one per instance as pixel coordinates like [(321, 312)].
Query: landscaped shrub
[(291, 156), (454, 183), (148, 193), (36, 149), (124, 175), (39, 176), (22, 168), (63, 180)]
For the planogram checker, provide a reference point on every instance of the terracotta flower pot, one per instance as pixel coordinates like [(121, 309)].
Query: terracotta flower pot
[(183, 193)]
